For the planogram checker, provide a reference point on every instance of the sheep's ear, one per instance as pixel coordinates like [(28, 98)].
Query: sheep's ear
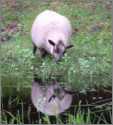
[(51, 42), (69, 46)]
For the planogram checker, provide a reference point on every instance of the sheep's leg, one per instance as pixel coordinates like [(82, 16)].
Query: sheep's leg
[(34, 49), (43, 53)]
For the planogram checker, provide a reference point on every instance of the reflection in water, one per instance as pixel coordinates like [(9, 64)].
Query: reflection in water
[(51, 99)]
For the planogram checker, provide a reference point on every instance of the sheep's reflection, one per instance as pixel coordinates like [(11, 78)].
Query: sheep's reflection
[(51, 99)]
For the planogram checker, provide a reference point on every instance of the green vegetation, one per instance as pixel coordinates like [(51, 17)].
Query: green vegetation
[(87, 64), (84, 66)]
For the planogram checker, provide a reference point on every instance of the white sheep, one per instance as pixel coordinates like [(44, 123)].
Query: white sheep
[(51, 99), (51, 33)]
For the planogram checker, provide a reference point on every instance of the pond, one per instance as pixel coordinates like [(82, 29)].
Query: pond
[(18, 108)]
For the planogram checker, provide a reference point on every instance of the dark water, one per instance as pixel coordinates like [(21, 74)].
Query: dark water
[(96, 100)]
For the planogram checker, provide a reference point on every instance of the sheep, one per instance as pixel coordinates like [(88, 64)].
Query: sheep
[(51, 99), (51, 34)]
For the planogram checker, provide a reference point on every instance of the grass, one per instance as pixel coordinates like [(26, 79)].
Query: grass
[(86, 65)]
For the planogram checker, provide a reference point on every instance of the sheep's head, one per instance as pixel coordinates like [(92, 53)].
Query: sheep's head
[(58, 49)]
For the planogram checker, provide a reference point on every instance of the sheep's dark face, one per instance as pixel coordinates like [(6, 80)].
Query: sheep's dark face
[(58, 49)]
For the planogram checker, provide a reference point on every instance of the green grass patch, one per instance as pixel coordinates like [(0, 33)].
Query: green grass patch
[(85, 65)]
